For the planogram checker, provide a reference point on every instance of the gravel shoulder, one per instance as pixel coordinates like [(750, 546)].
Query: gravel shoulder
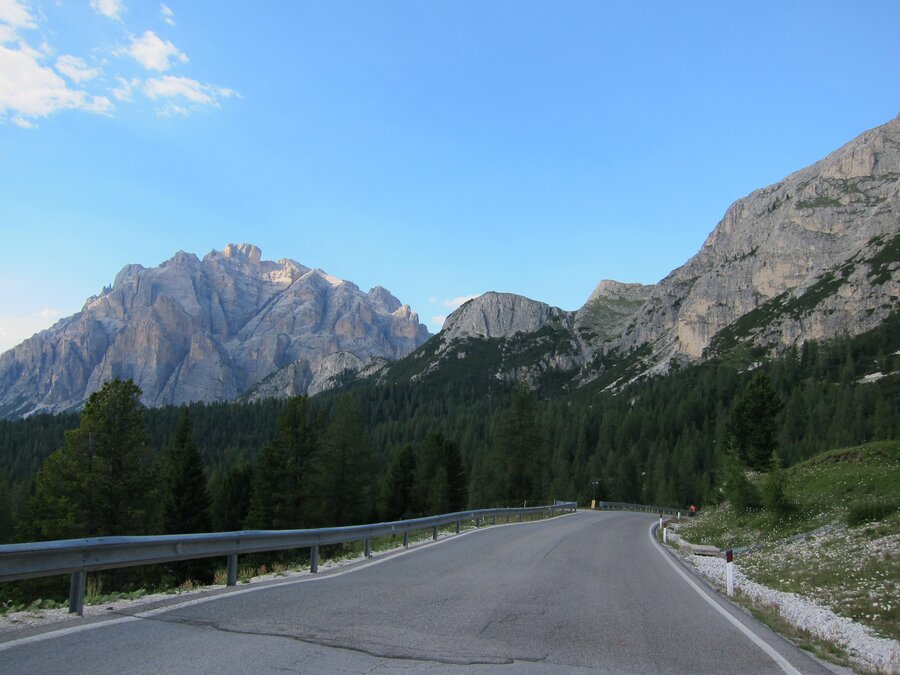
[(868, 651)]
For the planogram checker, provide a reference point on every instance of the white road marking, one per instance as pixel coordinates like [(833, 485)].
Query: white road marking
[(753, 637)]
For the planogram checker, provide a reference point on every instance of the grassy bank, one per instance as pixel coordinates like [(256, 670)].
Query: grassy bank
[(840, 543)]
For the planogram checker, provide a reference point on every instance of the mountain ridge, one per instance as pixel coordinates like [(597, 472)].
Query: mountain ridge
[(813, 256), (205, 330)]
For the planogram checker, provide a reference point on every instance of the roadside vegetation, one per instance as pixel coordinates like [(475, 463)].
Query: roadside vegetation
[(836, 542)]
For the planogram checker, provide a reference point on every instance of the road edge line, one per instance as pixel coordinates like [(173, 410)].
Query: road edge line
[(782, 662)]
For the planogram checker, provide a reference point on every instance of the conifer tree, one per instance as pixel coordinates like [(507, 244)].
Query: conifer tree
[(344, 477), (230, 494), (185, 501), (399, 493), (100, 482), (518, 449), (280, 497), (753, 422)]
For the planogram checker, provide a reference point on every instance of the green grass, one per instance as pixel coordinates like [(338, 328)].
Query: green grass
[(841, 546)]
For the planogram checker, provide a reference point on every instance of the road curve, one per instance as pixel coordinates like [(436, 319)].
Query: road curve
[(590, 592)]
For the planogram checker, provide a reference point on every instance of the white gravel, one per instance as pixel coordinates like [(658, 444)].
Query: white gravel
[(867, 649)]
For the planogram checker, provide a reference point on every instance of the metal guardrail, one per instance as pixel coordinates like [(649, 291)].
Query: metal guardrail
[(644, 508), (80, 556)]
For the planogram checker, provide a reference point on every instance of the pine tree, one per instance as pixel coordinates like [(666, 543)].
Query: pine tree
[(344, 477), (185, 500), (230, 493), (737, 488), (753, 422), (266, 510), (100, 482), (773, 496), (281, 497), (399, 493)]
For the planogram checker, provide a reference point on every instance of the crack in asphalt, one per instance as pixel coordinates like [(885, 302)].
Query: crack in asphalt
[(446, 659)]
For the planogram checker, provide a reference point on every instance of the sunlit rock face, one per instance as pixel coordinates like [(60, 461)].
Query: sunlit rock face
[(813, 256), (208, 330)]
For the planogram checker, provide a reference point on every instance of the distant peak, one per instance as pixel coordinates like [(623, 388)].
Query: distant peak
[(616, 290), (322, 274), (244, 252)]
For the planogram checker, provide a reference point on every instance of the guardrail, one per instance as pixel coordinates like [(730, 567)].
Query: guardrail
[(80, 556), (644, 508)]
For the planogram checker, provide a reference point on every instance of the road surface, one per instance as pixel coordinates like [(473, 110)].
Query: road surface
[(589, 592)]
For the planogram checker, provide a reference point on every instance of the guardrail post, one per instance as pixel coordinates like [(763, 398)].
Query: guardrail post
[(77, 585), (478, 522), (232, 570), (406, 539), (493, 520), (367, 548), (507, 517), (457, 527), (314, 559), (434, 531)]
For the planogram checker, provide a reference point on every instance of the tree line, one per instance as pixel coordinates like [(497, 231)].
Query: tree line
[(401, 449)]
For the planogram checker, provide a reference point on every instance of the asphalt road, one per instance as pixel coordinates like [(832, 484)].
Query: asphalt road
[(590, 592)]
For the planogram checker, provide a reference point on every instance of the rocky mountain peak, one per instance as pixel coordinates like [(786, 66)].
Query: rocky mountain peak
[(494, 315), (611, 290), (246, 253), (384, 299), (208, 330), (801, 259)]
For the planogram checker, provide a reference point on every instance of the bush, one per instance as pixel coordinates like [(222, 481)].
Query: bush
[(869, 510), (743, 495), (774, 500)]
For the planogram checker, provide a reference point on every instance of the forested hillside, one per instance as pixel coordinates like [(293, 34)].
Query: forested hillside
[(658, 440)]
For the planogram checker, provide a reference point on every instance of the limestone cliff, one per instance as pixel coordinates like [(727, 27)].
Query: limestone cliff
[(813, 256), (208, 330)]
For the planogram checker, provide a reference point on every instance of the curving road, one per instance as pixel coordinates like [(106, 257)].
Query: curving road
[(590, 592)]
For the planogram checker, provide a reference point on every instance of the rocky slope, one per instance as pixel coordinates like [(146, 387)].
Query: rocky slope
[(813, 256), (206, 330)]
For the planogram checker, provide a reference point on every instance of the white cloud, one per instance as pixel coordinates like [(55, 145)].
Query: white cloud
[(123, 91), (108, 8), (153, 52), (171, 110), (75, 69), (458, 301), (171, 87), (16, 14), (437, 321), (7, 34), (167, 15), (16, 328), (29, 89), (35, 83)]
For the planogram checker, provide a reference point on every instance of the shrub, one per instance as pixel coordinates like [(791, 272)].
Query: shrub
[(774, 500), (743, 495), (868, 510)]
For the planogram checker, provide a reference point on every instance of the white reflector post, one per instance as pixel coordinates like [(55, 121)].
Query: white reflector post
[(729, 572)]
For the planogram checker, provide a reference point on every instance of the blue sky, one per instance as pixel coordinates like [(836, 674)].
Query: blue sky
[(439, 149)]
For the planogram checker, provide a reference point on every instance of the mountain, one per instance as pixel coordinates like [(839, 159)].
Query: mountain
[(815, 256), (208, 330)]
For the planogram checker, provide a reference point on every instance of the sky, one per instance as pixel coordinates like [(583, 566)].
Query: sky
[(438, 149)]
